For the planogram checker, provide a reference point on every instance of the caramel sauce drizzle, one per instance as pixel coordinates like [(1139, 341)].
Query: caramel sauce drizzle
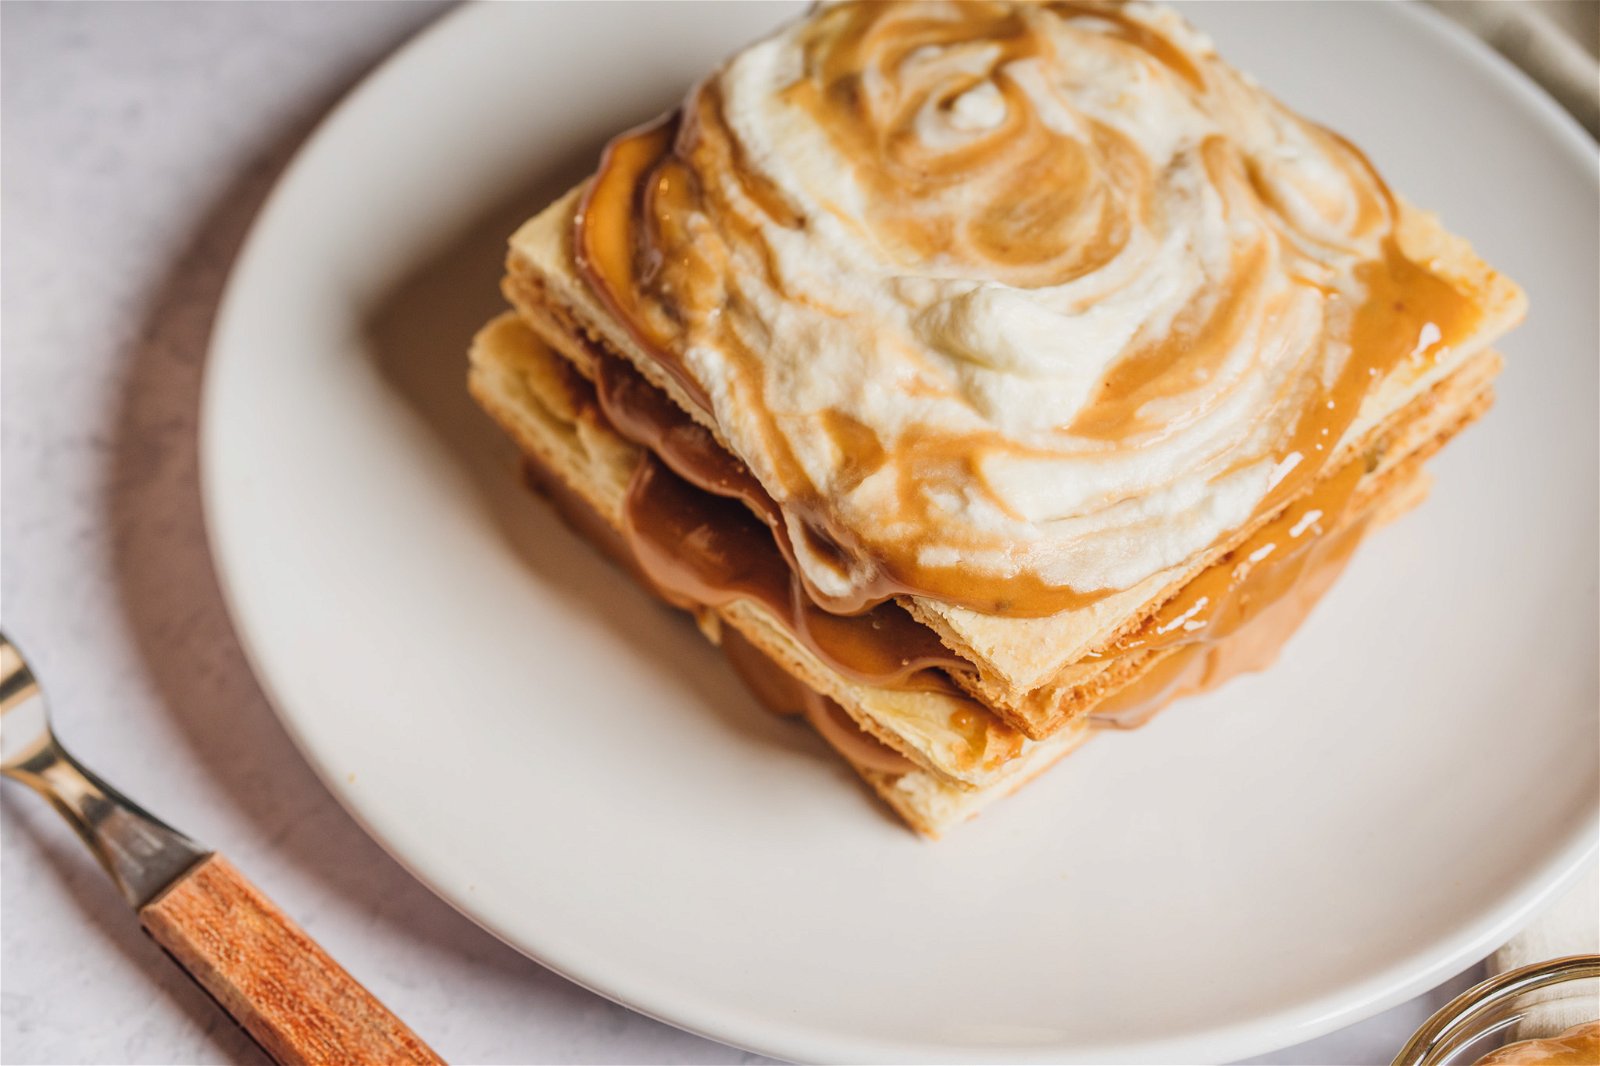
[(610, 258), (614, 257), (1020, 174), (664, 251)]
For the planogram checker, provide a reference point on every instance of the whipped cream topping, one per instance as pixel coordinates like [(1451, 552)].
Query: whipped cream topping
[(1012, 297)]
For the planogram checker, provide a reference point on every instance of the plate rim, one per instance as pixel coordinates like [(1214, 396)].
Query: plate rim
[(1352, 1002)]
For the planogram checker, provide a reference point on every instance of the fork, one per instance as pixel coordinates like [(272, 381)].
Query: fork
[(276, 982)]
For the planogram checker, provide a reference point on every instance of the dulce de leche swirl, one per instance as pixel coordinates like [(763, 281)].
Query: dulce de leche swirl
[(1007, 305)]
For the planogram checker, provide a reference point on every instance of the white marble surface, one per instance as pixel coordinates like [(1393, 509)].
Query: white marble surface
[(139, 141)]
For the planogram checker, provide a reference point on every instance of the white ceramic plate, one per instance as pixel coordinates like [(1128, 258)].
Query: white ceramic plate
[(574, 768)]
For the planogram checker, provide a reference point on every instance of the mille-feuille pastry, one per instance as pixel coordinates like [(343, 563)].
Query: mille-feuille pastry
[(933, 753), (1047, 364)]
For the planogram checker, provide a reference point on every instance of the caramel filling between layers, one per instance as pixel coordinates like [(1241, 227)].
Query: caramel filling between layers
[(705, 550), (776, 690), (694, 533), (689, 534), (659, 239), (691, 516), (772, 686), (1251, 643), (695, 530)]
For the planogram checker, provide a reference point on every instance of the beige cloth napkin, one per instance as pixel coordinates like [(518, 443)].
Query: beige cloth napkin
[(1571, 926), (1554, 41)]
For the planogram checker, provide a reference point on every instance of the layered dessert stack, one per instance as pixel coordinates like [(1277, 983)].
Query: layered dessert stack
[(980, 375)]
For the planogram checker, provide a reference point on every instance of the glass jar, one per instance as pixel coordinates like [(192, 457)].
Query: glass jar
[(1494, 1012)]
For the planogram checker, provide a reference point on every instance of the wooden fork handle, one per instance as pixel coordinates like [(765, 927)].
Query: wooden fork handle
[(298, 1004)]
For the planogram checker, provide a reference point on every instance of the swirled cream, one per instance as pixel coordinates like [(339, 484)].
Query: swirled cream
[(1007, 305)]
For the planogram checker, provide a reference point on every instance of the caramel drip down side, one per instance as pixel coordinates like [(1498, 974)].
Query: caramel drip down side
[(613, 257), (1227, 595), (1235, 617)]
